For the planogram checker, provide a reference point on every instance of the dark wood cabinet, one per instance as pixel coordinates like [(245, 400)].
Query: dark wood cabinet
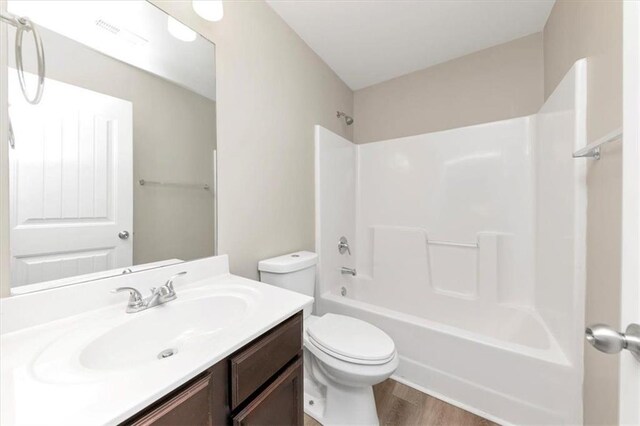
[(260, 384), (189, 407), (279, 404), (253, 366)]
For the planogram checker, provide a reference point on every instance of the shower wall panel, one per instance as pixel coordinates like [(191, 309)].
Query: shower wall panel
[(424, 201)]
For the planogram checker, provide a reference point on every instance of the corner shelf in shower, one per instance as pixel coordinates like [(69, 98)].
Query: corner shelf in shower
[(593, 149)]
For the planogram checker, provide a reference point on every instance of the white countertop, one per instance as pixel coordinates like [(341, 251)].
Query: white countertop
[(43, 379)]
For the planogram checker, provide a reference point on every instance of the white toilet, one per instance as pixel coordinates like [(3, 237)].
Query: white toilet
[(344, 356)]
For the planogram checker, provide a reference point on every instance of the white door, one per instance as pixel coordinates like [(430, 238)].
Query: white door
[(71, 195), (630, 292)]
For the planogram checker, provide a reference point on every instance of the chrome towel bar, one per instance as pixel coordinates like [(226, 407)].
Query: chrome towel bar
[(204, 186), (452, 244)]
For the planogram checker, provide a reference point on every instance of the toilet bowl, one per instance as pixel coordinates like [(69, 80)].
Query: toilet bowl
[(343, 356)]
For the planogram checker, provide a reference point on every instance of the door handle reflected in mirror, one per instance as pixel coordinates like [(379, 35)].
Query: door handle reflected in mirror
[(123, 235)]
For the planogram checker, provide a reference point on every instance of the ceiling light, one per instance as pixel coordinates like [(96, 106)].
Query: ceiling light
[(180, 30), (211, 10)]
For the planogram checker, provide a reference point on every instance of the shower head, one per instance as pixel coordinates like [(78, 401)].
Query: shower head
[(347, 119)]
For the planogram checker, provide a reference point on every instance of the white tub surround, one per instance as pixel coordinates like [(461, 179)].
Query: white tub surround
[(72, 356), (469, 246)]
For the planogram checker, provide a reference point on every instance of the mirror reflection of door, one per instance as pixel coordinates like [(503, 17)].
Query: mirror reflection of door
[(70, 177), (113, 171)]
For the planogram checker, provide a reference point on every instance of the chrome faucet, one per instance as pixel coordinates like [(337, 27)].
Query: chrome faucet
[(348, 271), (160, 295)]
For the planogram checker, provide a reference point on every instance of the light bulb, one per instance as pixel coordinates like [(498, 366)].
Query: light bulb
[(180, 30), (211, 10)]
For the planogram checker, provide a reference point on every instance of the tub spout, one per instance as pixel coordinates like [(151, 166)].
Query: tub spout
[(348, 271)]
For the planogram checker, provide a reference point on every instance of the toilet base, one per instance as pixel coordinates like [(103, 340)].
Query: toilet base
[(314, 406), (340, 405)]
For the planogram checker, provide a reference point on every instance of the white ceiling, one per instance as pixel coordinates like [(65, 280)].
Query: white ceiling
[(138, 36), (370, 41)]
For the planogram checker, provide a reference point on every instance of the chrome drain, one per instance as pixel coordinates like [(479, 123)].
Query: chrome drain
[(167, 353), (343, 291)]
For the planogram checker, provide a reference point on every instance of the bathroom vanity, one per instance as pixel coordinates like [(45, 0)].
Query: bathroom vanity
[(260, 384), (227, 350)]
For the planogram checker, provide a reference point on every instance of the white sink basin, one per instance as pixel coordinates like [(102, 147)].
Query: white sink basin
[(172, 326)]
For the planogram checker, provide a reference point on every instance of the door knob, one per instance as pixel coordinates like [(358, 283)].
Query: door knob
[(607, 340), (123, 235)]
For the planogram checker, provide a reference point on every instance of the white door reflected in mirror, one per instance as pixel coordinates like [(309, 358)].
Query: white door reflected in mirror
[(70, 183)]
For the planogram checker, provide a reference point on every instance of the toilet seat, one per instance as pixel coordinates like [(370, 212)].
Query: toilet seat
[(351, 340)]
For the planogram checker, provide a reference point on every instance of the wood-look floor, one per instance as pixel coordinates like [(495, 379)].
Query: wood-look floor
[(401, 405)]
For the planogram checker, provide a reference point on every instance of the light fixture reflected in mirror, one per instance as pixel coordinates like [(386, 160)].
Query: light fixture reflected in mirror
[(179, 30), (211, 10)]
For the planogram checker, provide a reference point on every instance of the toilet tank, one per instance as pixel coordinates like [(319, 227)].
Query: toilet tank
[(294, 271)]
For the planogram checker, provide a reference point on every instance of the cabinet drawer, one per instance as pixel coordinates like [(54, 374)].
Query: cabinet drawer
[(279, 404), (188, 407), (254, 365)]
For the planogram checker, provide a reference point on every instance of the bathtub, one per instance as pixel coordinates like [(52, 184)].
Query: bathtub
[(506, 367)]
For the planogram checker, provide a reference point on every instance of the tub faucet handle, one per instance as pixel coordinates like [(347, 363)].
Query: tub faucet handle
[(343, 246)]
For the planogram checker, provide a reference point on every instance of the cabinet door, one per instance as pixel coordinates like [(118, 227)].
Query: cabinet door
[(255, 364), (279, 404), (188, 407)]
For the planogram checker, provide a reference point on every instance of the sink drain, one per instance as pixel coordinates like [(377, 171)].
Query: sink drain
[(167, 353)]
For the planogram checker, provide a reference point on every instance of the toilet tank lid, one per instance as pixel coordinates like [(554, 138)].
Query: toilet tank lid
[(288, 262)]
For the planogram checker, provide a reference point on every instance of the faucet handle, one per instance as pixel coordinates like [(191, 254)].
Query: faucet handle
[(169, 283), (343, 246), (135, 298)]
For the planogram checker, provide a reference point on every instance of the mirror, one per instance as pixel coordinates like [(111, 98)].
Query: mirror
[(113, 171)]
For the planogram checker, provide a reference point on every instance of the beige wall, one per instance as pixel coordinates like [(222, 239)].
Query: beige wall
[(271, 90), (497, 83), (593, 29), (174, 135)]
